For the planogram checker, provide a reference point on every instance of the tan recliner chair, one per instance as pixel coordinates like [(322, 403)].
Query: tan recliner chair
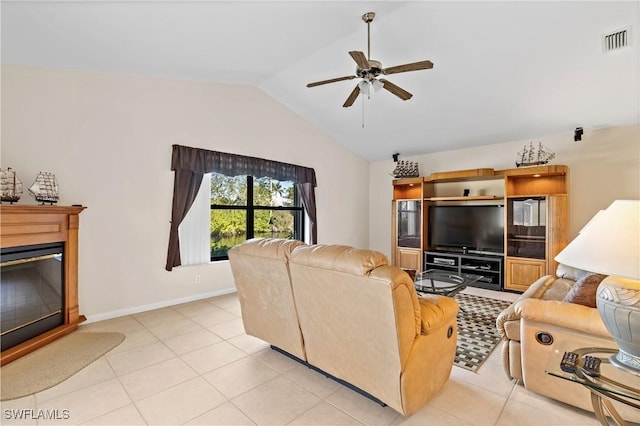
[(538, 323), (260, 270), (363, 323)]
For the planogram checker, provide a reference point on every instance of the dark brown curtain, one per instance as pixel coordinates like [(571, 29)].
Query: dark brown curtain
[(190, 165), (185, 188)]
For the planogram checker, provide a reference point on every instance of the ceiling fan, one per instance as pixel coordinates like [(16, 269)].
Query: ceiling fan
[(368, 70)]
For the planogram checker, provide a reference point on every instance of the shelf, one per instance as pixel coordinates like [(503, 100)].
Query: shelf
[(540, 195), (463, 198), (487, 269), (525, 172), (462, 175)]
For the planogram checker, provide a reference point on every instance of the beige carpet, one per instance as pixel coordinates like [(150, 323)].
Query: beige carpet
[(54, 363)]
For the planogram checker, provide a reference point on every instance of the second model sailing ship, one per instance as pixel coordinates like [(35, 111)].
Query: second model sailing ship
[(534, 155), (45, 188)]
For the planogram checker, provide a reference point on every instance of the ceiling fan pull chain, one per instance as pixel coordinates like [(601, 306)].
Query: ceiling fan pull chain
[(363, 110)]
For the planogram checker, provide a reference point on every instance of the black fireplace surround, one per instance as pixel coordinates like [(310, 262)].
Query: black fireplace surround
[(31, 291)]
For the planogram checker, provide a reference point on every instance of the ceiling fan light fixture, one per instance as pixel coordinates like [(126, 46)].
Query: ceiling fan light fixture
[(364, 86), (369, 87)]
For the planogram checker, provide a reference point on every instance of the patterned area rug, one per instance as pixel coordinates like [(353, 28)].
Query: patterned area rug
[(477, 332)]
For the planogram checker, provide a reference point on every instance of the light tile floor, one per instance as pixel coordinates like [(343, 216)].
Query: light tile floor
[(193, 364)]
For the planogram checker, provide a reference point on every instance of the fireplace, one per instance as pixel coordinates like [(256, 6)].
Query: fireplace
[(38, 276), (31, 291)]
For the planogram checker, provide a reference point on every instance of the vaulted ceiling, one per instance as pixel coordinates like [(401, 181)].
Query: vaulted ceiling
[(502, 71)]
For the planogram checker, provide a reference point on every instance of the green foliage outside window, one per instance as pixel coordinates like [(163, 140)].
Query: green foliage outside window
[(229, 211)]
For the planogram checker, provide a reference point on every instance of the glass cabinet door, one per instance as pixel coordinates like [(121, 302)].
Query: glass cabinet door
[(526, 227), (409, 214)]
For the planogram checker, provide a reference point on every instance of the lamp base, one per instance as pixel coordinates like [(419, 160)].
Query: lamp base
[(618, 301), (627, 362)]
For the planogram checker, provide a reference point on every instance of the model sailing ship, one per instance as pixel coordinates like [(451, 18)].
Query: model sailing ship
[(534, 156), (45, 188), (10, 186), (406, 169)]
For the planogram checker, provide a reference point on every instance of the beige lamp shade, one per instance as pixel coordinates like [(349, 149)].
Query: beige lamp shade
[(609, 244)]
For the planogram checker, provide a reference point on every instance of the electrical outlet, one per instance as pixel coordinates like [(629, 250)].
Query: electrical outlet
[(198, 279)]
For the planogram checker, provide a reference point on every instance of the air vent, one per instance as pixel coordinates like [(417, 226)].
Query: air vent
[(616, 40)]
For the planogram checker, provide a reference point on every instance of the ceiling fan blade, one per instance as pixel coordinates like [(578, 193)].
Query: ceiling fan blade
[(399, 92), (415, 66), (352, 97), (361, 60), (332, 80)]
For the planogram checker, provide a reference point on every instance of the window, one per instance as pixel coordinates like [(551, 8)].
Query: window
[(191, 164), (244, 207)]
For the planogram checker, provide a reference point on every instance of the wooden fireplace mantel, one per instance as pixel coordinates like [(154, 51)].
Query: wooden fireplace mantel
[(23, 225)]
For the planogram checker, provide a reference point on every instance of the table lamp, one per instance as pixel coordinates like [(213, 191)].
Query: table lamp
[(610, 245)]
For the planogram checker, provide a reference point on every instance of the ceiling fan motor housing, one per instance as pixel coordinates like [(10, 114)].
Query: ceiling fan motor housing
[(372, 72)]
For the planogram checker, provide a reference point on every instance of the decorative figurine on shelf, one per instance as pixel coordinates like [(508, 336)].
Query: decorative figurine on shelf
[(10, 185), (534, 156), (45, 188)]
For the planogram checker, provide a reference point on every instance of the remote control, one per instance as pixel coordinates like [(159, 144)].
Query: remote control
[(591, 366), (568, 363)]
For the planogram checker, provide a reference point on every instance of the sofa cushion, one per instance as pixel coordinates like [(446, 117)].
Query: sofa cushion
[(583, 291)]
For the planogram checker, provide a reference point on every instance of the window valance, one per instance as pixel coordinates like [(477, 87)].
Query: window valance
[(203, 161)]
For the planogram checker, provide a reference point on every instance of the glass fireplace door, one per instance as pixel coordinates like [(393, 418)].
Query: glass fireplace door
[(31, 291)]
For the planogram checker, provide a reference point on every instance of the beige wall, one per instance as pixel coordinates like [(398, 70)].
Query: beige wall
[(108, 138), (604, 166)]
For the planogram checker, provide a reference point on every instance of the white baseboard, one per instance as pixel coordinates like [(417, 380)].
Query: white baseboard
[(158, 305)]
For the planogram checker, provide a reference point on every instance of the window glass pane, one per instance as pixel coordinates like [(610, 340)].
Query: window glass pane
[(228, 228), (228, 190), (276, 223), (273, 193)]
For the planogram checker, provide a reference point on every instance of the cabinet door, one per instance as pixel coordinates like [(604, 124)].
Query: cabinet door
[(527, 227), (521, 273), (409, 223), (409, 259)]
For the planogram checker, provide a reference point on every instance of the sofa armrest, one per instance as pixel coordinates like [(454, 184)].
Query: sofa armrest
[(435, 311), (535, 291), (563, 314)]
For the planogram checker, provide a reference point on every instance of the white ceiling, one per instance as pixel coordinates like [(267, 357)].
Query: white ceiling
[(503, 71)]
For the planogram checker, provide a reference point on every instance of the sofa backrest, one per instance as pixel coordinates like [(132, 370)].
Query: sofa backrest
[(358, 315), (260, 270)]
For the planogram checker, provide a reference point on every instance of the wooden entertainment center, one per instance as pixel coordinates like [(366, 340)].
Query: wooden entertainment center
[(535, 203)]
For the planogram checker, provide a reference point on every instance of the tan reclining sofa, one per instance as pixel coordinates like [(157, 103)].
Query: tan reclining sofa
[(540, 323), (348, 313)]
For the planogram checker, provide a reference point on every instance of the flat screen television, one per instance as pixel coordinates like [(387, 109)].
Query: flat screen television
[(478, 228)]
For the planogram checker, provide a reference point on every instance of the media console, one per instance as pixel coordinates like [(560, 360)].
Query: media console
[(525, 237), (487, 268)]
